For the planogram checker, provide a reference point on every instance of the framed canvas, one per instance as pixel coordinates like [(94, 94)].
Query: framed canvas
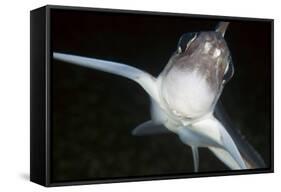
[(120, 95)]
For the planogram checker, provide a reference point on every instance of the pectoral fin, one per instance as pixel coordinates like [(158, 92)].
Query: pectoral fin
[(229, 154), (250, 155), (225, 157), (150, 128), (196, 139), (191, 137), (211, 133), (230, 147), (144, 79)]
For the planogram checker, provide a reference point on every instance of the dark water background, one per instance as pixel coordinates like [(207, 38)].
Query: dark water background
[(93, 113)]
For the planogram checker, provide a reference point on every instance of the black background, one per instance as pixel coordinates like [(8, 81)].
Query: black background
[(93, 113)]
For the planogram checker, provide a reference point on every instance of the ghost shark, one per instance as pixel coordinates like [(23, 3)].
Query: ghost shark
[(184, 96)]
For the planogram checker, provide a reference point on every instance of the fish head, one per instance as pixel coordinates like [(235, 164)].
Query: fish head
[(196, 73)]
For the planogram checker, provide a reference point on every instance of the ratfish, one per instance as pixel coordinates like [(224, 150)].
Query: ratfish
[(185, 97)]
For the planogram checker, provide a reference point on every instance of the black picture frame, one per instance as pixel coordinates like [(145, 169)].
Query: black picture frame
[(41, 98)]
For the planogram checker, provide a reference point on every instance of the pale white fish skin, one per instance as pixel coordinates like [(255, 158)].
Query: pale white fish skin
[(187, 93)]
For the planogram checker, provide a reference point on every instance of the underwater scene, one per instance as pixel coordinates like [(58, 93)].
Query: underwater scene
[(146, 95)]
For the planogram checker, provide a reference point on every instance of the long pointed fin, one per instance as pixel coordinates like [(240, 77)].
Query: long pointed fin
[(230, 146), (211, 133), (225, 157), (249, 154), (144, 79), (195, 155), (211, 127), (150, 128), (193, 138), (251, 157)]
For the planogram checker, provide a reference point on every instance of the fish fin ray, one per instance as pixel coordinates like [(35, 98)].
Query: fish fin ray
[(150, 128), (250, 155), (192, 138), (231, 147), (225, 157), (208, 133), (147, 81)]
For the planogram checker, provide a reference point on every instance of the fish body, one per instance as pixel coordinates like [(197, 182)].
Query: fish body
[(185, 94), (193, 79)]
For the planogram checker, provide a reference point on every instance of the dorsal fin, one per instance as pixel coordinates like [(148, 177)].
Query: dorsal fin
[(222, 27)]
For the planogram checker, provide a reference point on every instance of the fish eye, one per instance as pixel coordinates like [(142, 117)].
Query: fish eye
[(185, 40), (229, 71)]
